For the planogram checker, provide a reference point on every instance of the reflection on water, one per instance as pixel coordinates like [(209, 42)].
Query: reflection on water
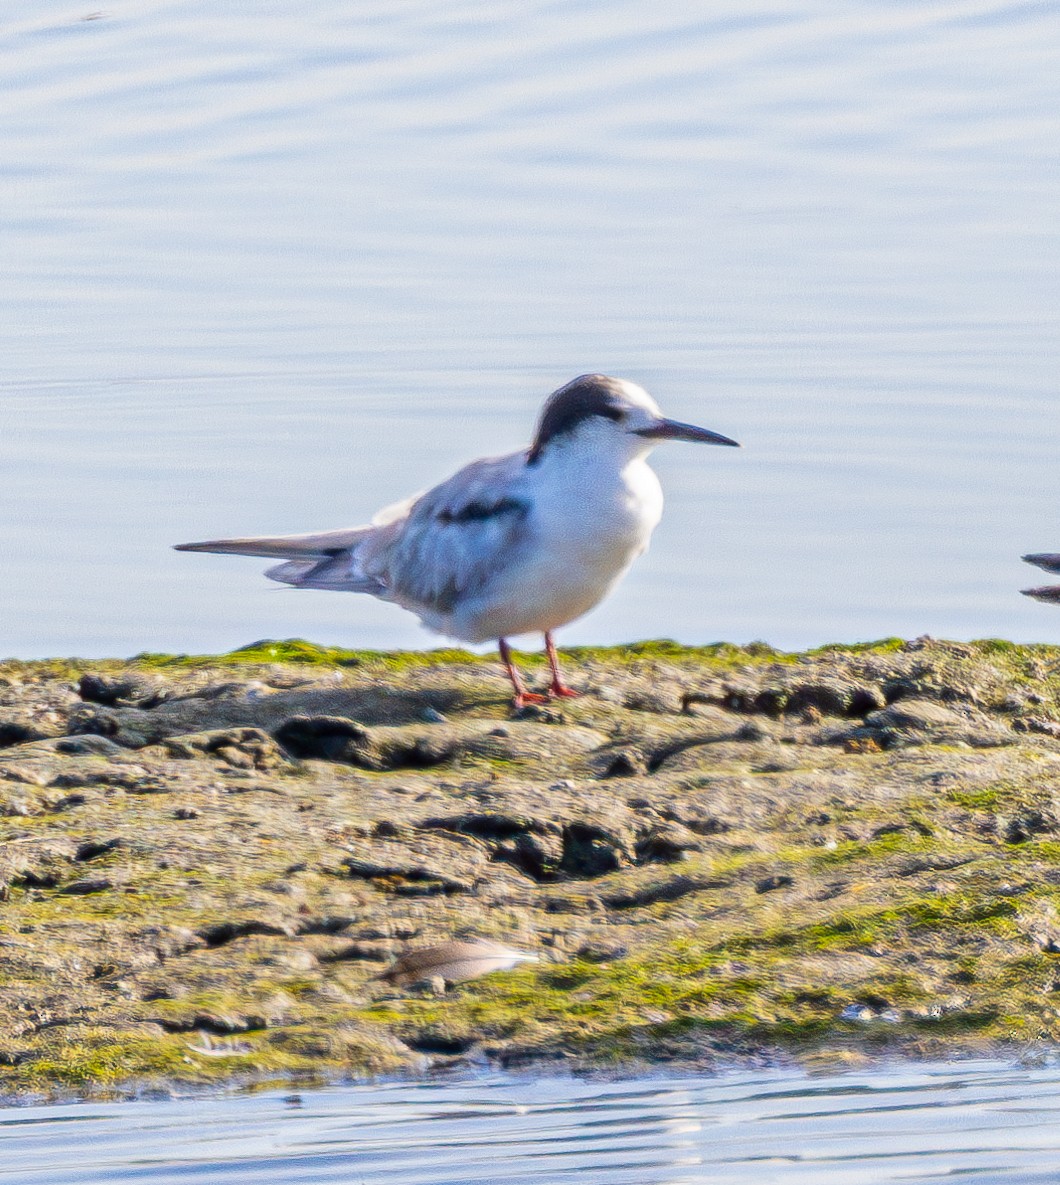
[(981, 1122), (267, 271)]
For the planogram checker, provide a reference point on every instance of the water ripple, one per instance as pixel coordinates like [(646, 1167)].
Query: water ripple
[(981, 1122), (826, 229)]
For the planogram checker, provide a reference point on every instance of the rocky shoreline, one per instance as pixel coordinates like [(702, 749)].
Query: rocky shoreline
[(716, 853)]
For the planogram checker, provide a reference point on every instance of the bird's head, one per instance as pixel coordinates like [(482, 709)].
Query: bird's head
[(612, 415)]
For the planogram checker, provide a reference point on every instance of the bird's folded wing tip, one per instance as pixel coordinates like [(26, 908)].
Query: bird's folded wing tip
[(1049, 592), (220, 546)]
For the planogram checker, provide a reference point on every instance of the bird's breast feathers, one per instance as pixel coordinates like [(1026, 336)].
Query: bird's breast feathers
[(602, 521)]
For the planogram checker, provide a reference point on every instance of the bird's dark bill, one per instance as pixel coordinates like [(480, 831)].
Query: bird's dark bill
[(675, 430)]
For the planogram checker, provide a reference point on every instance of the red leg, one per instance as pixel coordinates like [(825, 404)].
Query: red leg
[(557, 686), (522, 696)]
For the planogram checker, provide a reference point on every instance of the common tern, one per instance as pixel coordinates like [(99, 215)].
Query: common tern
[(508, 545)]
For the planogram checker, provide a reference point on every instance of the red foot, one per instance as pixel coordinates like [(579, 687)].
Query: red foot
[(562, 692), (528, 697)]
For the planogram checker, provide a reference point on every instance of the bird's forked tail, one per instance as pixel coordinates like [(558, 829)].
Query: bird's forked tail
[(325, 560)]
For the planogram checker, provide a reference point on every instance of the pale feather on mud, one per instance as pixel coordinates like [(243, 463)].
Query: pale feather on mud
[(454, 961)]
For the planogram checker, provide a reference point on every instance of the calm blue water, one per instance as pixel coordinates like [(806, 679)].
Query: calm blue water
[(266, 269), (981, 1123)]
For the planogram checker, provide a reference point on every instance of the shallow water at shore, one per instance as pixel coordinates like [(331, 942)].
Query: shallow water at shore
[(979, 1121), (265, 274)]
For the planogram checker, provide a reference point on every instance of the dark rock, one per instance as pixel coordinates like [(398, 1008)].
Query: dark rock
[(90, 849), (435, 1040), (665, 843), (541, 713), (358, 952), (420, 746), (624, 764), (573, 903), (740, 697), (750, 732), (21, 732), (40, 867), (590, 850), (330, 738), (221, 933), (326, 924), (1049, 728), (388, 829), (82, 888), (668, 890), (112, 691), (219, 1024), (68, 802), (37, 878), (1025, 826), (168, 942), (425, 866), (773, 701), (335, 738), (534, 846), (241, 748), (836, 698), (90, 745), (706, 824), (87, 720), (643, 804), (601, 951), (157, 991)]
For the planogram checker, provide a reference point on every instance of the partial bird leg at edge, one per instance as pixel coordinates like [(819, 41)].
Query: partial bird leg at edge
[(522, 696), (557, 686)]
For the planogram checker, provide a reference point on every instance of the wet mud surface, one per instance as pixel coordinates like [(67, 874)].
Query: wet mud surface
[(716, 853)]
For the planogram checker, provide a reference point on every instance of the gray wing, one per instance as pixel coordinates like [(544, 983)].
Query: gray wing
[(454, 538)]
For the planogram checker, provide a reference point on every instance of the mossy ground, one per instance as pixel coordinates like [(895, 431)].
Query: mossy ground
[(717, 851)]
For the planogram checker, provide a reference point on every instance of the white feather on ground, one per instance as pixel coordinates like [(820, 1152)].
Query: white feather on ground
[(453, 961)]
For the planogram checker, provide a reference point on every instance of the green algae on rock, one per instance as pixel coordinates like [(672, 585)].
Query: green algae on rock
[(206, 862)]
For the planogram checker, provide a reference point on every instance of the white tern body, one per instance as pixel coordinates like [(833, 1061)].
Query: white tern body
[(507, 545)]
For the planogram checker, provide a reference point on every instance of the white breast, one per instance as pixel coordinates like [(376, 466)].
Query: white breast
[(588, 524)]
